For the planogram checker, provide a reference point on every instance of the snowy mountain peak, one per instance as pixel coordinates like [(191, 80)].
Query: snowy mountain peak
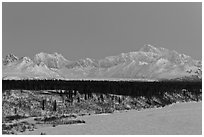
[(57, 54), (26, 59), (54, 60), (42, 55), (9, 58), (150, 48), (60, 57)]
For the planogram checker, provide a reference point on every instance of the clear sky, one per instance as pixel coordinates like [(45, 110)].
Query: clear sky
[(97, 30)]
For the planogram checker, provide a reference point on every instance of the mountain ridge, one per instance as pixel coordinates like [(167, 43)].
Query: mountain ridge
[(150, 62)]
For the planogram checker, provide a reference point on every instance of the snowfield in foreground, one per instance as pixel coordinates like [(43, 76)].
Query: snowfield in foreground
[(180, 118)]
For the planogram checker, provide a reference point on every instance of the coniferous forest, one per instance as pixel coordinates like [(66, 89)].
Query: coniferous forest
[(128, 88)]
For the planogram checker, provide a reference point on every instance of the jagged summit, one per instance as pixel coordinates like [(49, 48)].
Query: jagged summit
[(9, 58), (150, 62)]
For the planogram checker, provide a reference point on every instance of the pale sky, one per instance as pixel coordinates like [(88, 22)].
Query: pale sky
[(97, 30)]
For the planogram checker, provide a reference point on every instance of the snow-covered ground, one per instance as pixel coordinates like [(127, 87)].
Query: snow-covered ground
[(180, 118)]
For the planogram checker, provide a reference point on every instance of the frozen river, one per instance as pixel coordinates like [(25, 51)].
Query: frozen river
[(180, 118)]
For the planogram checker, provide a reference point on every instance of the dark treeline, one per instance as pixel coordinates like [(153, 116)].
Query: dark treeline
[(131, 88)]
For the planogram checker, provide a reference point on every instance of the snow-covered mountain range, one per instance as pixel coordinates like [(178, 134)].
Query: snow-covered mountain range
[(149, 63)]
